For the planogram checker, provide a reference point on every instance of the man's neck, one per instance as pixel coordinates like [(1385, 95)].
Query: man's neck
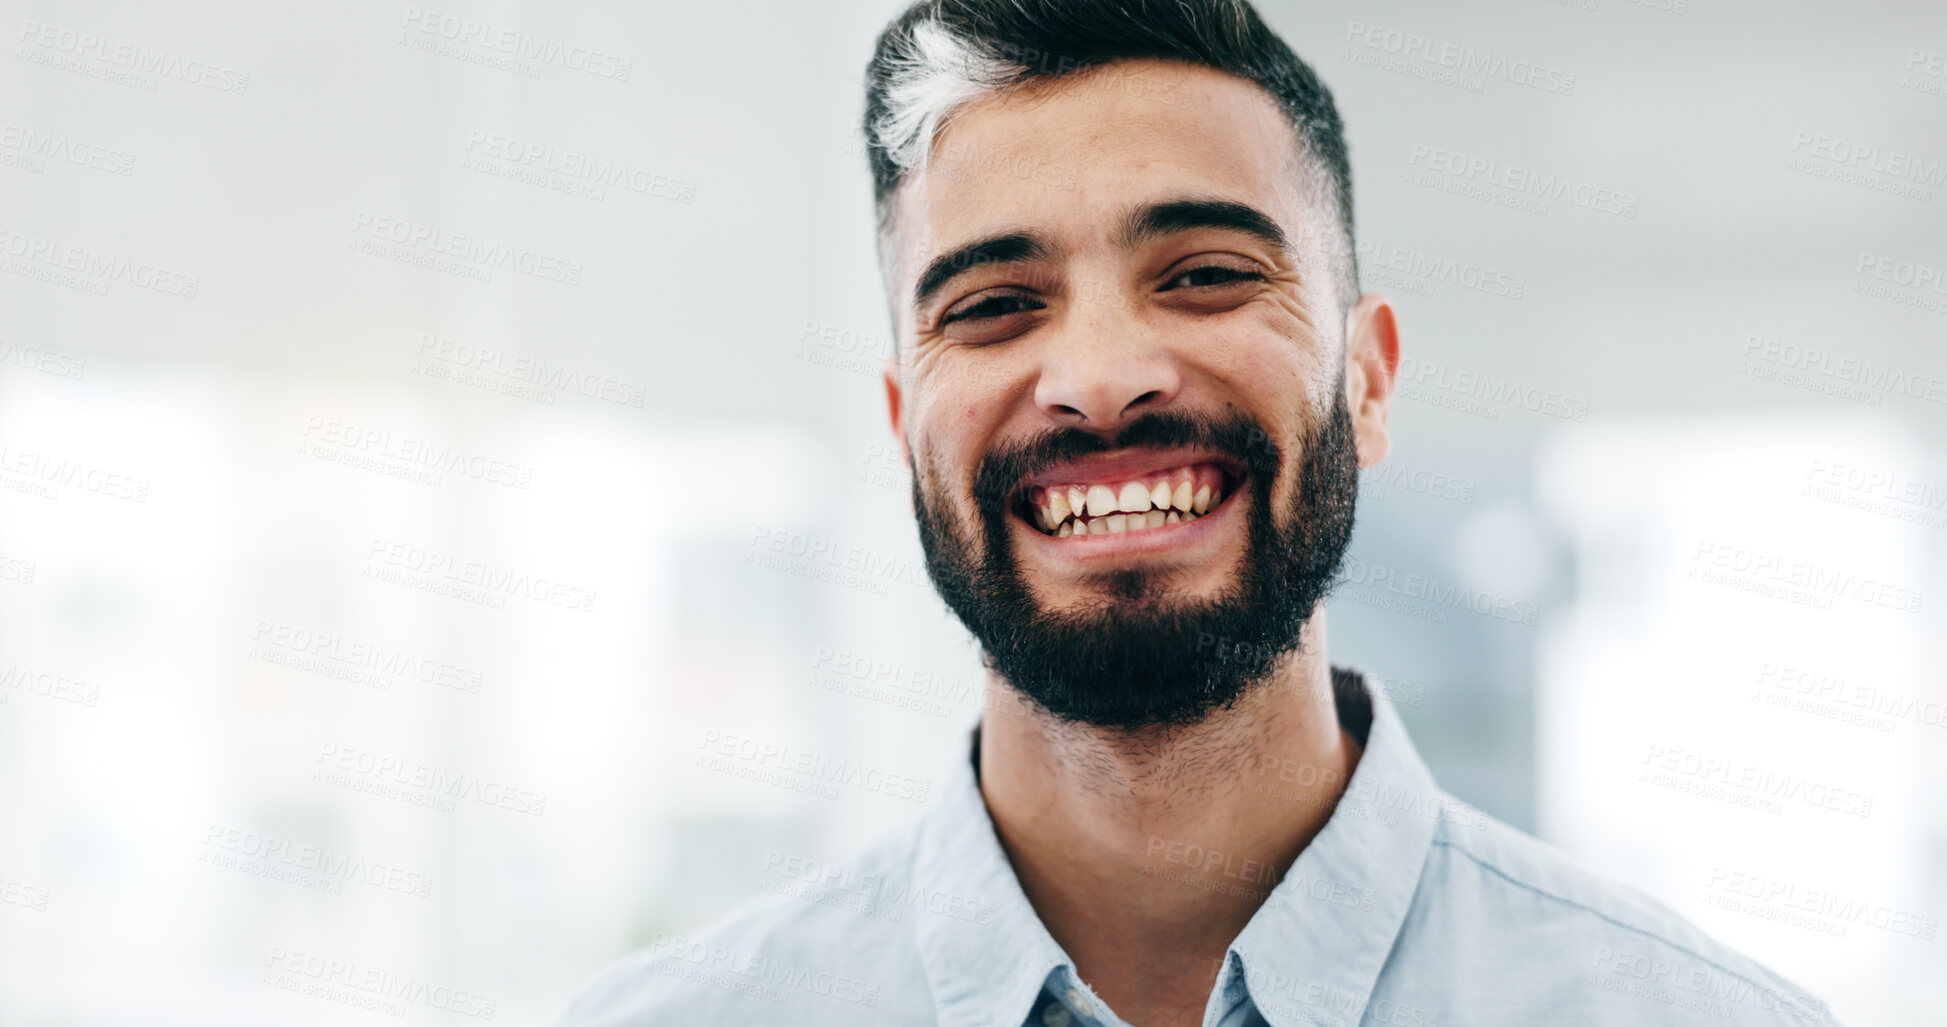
[(1146, 852)]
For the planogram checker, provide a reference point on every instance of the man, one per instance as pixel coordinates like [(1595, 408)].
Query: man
[(1136, 380)]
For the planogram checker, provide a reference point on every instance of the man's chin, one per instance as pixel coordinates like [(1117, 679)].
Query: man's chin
[(1132, 593)]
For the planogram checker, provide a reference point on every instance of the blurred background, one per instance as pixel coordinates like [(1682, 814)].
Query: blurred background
[(425, 430)]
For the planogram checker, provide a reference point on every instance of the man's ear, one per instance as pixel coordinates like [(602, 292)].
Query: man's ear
[(895, 411), (1371, 362)]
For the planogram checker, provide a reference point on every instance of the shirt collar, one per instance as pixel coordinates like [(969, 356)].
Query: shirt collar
[(1310, 954), (1313, 951), (987, 969)]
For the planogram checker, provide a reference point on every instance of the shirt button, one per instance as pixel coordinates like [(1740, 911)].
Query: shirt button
[(1057, 1015), (1076, 998)]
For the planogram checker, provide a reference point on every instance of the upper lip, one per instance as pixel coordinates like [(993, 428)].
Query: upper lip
[(1123, 465)]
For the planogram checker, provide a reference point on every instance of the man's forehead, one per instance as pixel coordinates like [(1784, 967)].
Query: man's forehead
[(1074, 155)]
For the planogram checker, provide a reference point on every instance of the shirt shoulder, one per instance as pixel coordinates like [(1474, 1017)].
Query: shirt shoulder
[(837, 949), (1583, 948)]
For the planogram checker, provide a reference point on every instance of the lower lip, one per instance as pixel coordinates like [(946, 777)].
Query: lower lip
[(1149, 540)]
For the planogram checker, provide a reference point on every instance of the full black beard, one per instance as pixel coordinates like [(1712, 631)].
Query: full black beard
[(1143, 658)]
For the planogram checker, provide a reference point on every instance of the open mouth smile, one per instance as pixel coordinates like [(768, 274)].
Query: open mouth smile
[(1114, 496)]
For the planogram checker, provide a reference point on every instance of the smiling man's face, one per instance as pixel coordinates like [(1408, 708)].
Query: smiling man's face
[(1132, 414)]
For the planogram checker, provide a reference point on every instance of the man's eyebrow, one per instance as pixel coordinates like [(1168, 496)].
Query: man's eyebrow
[(1160, 219), (999, 249)]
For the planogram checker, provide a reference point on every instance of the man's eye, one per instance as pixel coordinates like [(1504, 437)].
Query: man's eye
[(1212, 274), (993, 306)]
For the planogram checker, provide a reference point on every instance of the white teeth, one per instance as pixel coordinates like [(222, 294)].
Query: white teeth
[(1177, 498)]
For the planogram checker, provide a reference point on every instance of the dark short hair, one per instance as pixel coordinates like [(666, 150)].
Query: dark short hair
[(994, 44)]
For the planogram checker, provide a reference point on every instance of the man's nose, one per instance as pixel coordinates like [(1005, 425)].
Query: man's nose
[(1105, 372)]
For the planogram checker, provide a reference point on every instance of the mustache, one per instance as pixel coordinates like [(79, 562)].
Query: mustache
[(1235, 435)]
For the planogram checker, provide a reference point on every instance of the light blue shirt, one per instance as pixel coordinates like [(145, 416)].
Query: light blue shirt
[(1408, 909)]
